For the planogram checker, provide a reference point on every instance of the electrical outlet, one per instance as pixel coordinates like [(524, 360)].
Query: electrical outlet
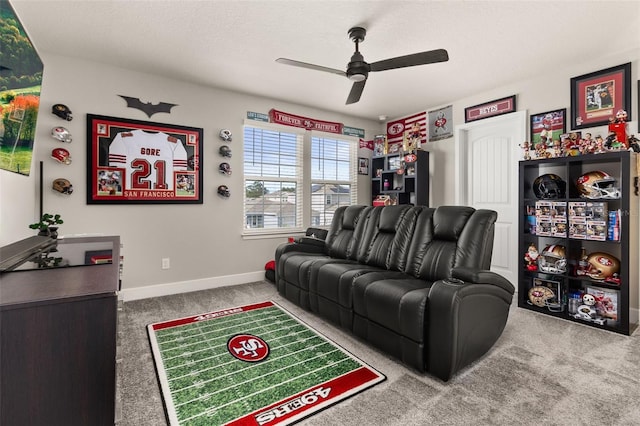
[(166, 264)]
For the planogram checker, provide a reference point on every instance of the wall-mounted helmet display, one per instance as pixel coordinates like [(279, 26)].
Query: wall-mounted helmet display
[(62, 111), (225, 168), (553, 259), (225, 151), (63, 186), (549, 186), (224, 191), (61, 155), (61, 134), (225, 135), (602, 266), (597, 184)]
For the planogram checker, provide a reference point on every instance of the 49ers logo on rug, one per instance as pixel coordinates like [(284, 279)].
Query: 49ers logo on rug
[(247, 347)]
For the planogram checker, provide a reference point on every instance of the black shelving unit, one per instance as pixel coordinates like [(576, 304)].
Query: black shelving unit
[(622, 243), (404, 183)]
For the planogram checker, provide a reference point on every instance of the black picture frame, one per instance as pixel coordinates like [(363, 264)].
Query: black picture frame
[(597, 96), (554, 122), (141, 162), (363, 166), (490, 109)]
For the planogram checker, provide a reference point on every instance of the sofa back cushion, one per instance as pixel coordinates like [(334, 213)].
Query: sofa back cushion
[(448, 237), (386, 239), (346, 230)]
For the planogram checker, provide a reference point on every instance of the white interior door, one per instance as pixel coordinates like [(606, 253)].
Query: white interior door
[(487, 155)]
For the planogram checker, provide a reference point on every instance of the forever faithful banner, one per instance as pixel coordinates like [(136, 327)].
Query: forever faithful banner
[(306, 123)]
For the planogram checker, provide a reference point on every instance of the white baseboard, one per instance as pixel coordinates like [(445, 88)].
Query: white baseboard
[(167, 289)]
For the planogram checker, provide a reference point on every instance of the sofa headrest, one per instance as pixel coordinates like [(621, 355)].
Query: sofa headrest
[(390, 217), (350, 217), (449, 221)]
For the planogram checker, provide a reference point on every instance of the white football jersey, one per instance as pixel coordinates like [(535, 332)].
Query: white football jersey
[(150, 158)]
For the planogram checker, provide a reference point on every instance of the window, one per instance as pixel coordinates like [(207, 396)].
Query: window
[(281, 177), (332, 177)]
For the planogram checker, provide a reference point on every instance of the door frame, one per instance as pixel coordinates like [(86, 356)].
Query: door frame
[(516, 119)]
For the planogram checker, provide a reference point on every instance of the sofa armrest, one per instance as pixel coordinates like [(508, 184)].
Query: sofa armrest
[(311, 241), (477, 276), (303, 244), (466, 318)]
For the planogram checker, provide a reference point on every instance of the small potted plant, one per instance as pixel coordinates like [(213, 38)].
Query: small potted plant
[(47, 223)]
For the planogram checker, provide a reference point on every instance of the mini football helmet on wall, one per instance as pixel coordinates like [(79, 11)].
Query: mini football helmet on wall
[(61, 155), (63, 186), (61, 134), (549, 186), (225, 168), (225, 151), (225, 135), (597, 184), (62, 111), (223, 190)]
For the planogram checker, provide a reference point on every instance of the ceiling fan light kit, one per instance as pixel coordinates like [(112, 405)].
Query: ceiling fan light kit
[(358, 69)]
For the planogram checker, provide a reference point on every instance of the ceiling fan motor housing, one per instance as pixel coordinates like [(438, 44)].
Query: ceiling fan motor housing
[(357, 69)]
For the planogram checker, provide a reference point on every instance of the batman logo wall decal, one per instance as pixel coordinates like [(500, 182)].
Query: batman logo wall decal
[(147, 107)]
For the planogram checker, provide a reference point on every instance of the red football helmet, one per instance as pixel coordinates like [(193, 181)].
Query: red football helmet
[(61, 155)]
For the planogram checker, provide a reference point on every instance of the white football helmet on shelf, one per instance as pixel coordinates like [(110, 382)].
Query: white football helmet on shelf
[(597, 184), (553, 259)]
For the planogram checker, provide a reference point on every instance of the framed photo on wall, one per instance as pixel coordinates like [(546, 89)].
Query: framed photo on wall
[(597, 96), (140, 162), (363, 166), (550, 125), (490, 109)]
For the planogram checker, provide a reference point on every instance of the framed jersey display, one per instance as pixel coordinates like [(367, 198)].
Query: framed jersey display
[(139, 162)]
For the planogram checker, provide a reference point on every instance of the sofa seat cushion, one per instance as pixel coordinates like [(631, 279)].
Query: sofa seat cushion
[(397, 303), (295, 267), (334, 281)]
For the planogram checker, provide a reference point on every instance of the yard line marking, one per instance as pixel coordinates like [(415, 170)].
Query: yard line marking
[(268, 361), (264, 390)]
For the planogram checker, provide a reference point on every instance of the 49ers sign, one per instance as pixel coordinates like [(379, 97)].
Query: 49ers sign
[(304, 122), (247, 347)]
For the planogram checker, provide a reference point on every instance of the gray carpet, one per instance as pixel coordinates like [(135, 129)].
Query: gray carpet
[(542, 371)]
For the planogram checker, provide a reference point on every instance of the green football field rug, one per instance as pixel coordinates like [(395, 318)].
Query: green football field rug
[(251, 365)]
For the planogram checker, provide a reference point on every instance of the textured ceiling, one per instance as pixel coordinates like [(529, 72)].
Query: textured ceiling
[(233, 44)]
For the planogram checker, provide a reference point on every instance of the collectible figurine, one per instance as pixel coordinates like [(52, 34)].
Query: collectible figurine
[(557, 148), (634, 143), (541, 150), (526, 146), (599, 149), (531, 257), (618, 125), (587, 145), (612, 143)]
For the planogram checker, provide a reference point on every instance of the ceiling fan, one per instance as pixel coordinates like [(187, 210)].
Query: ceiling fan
[(358, 70)]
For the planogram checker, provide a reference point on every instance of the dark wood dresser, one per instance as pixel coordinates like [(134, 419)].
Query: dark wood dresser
[(58, 319)]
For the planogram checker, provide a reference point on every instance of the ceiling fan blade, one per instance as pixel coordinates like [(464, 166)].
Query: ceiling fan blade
[(310, 66), (423, 58), (356, 92)]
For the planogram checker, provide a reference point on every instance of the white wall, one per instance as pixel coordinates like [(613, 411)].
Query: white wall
[(202, 241)]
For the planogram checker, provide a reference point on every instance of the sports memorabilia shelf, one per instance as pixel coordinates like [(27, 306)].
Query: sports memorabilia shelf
[(400, 178), (579, 238)]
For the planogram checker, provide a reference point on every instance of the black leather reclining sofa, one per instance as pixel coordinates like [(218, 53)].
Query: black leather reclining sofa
[(413, 281)]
